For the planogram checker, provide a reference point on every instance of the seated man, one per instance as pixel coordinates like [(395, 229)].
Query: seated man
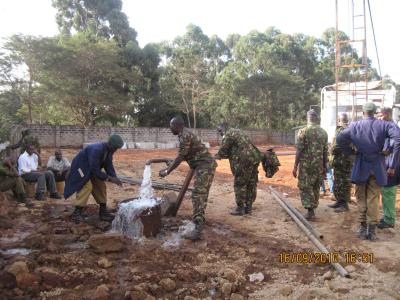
[(59, 165), (10, 180), (28, 164)]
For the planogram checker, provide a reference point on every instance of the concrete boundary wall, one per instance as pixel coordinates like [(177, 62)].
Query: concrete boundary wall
[(75, 136)]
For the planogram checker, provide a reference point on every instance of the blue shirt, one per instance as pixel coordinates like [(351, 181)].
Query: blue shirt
[(368, 136), (88, 163), (392, 180)]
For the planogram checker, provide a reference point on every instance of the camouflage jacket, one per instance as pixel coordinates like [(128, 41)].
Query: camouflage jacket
[(238, 148), (312, 144), (192, 150), (5, 171), (337, 158)]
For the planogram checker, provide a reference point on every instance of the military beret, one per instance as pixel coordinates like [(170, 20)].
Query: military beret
[(116, 141)]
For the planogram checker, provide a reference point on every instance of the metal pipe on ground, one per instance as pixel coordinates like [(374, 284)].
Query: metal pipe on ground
[(311, 237), (299, 215), (159, 160), (155, 184)]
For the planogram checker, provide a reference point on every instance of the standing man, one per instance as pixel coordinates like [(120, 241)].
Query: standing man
[(59, 165), (311, 162), (11, 180), (193, 151), (28, 164), (86, 177), (341, 165), (244, 159), (389, 191), (369, 171)]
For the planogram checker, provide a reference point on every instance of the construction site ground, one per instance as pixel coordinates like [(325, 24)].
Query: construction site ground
[(58, 264)]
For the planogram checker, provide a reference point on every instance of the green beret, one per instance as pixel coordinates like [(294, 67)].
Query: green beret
[(368, 107), (116, 141)]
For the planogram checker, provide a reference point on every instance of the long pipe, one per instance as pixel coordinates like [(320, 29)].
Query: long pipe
[(299, 215), (183, 190), (311, 237), (155, 184), (159, 160)]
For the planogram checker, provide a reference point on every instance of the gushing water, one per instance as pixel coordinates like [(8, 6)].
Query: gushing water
[(127, 220), (175, 239)]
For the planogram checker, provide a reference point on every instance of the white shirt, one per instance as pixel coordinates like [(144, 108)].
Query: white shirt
[(27, 163), (59, 165)]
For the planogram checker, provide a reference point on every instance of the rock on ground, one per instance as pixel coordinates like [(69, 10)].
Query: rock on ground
[(103, 243)]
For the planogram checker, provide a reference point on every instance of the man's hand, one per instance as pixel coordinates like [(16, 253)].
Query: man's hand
[(163, 172), (115, 180), (294, 172), (390, 172)]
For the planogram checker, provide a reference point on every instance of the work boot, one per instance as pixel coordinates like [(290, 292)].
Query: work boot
[(238, 211), (55, 196), (310, 215), (77, 215), (40, 197), (342, 208), (104, 214), (195, 234), (371, 233), (383, 225), (248, 209), (21, 198), (337, 204), (362, 231)]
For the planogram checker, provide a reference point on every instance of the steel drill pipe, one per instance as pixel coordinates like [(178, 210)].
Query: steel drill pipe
[(183, 190), (342, 271), (299, 215), (159, 160)]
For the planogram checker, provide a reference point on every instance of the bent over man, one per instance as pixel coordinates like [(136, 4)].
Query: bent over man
[(311, 162), (86, 177), (244, 159), (198, 158)]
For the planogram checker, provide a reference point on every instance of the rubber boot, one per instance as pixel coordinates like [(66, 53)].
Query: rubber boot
[(77, 216), (104, 214), (238, 211), (195, 235), (310, 215), (40, 197), (337, 204), (382, 224), (342, 208), (248, 209), (371, 232), (56, 196), (21, 198), (362, 231)]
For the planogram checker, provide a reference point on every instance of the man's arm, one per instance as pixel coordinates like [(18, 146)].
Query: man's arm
[(225, 147), (343, 139), (22, 165), (299, 149), (95, 158), (393, 133)]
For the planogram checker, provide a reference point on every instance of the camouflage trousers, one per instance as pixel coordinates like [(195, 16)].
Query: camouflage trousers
[(16, 184), (245, 185), (203, 177), (309, 183), (342, 184)]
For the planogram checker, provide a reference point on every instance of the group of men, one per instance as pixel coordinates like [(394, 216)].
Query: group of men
[(29, 170), (365, 153), (374, 143)]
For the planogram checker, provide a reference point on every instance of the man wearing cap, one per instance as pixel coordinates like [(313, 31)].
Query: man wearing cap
[(341, 165), (369, 171), (311, 162), (86, 177)]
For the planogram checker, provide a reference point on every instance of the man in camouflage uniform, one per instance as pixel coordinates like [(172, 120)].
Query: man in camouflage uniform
[(311, 160), (193, 151), (10, 180), (341, 165), (244, 159)]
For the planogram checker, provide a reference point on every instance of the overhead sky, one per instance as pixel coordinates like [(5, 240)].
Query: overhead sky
[(157, 20)]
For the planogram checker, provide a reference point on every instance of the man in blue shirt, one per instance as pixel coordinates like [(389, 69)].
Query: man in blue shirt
[(369, 170), (86, 177)]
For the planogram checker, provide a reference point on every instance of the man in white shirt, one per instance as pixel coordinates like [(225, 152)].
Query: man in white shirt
[(59, 165), (28, 163)]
